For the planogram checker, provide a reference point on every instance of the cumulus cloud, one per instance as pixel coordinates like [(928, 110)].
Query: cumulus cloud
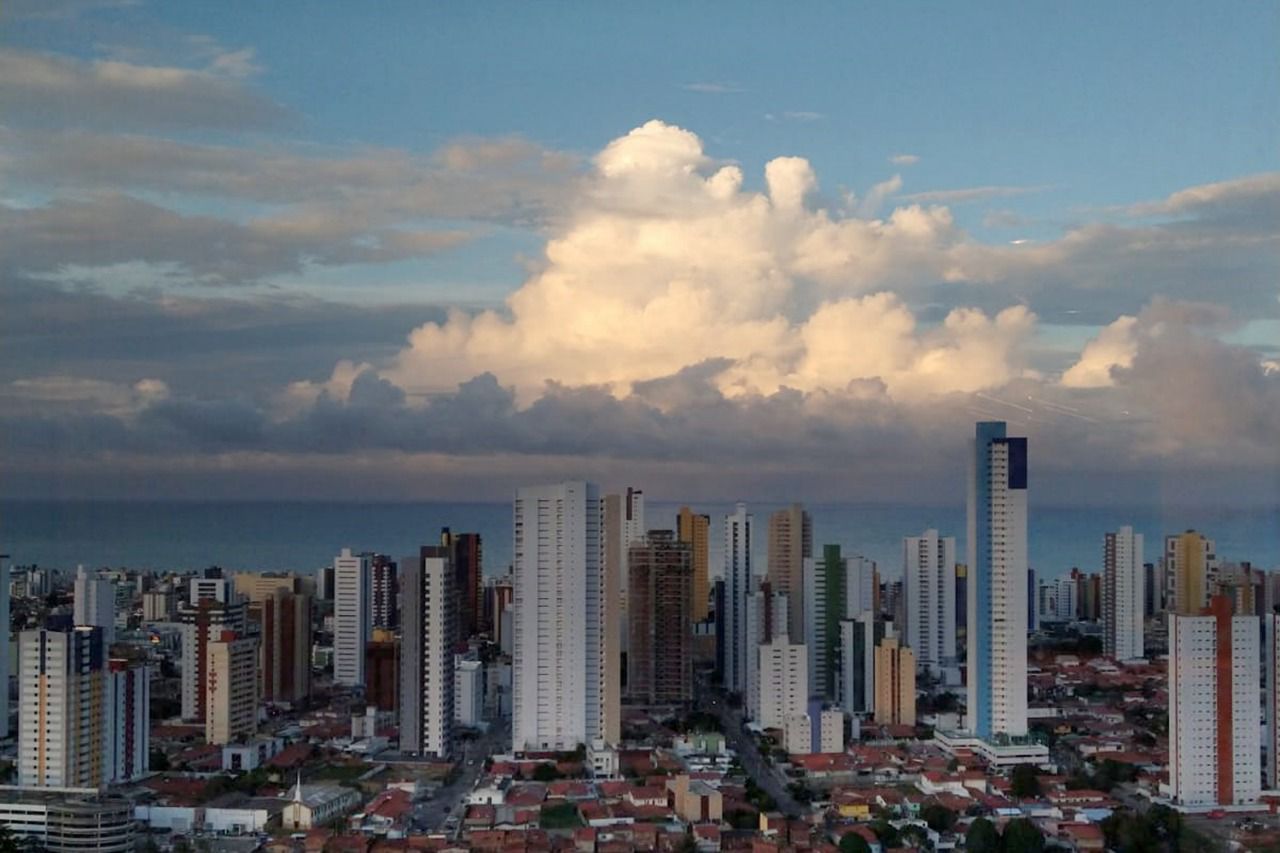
[(1113, 347)]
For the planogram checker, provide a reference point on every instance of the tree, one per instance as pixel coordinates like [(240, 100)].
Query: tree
[(852, 842), (887, 833), (982, 837), (939, 817), (157, 760), (1022, 836), (545, 773), (1026, 783), (9, 843)]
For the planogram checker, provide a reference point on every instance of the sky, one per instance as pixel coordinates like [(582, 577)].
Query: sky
[(747, 250)]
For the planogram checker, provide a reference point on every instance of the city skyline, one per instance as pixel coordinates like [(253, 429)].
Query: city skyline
[(407, 297)]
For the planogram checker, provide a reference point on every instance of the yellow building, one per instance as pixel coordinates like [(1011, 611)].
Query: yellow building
[(1190, 564), (694, 529), (232, 689), (895, 684)]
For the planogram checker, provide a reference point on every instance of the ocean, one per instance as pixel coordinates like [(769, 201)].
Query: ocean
[(302, 536)]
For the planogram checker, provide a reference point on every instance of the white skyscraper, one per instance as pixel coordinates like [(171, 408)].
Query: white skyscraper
[(1271, 695), (1214, 742), (352, 616), (784, 682), (1123, 595), (560, 660), (997, 583), (95, 603), (859, 586), (815, 623), (929, 584), (737, 584), (856, 679), (427, 676)]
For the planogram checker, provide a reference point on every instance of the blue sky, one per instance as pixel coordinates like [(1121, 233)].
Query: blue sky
[(313, 185)]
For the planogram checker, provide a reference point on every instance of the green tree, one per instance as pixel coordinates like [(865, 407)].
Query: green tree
[(852, 842), (1022, 836), (887, 833), (939, 817), (1025, 781), (545, 773), (157, 760), (982, 837), (9, 842)]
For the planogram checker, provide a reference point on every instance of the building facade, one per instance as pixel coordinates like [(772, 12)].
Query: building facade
[(1123, 595), (997, 574), (428, 601), (1191, 565), (352, 616), (62, 713), (467, 555), (232, 692), (1214, 743), (95, 602), (928, 570), (384, 604), (895, 684), (695, 531), (284, 630), (660, 664), (790, 544), (784, 682), (737, 584), (203, 623), (561, 652)]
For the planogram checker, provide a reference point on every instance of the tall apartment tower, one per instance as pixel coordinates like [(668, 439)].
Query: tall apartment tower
[(661, 660), (1190, 568), (232, 706), (1271, 696), (1214, 741), (62, 708), (928, 570), (816, 607), (737, 584), (95, 603), (1123, 594), (784, 682), (127, 733), (204, 622), (352, 616), (428, 637), (895, 684), (624, 526), (695, 531), (856, 675), (997, 561), (466, 554), (284, 631), (384, 583), (562, 655), (790, 544)]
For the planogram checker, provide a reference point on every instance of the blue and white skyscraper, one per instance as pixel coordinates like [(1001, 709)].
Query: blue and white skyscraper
[(737, 583), (997, 595)]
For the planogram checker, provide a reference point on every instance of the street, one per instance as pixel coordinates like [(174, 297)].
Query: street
[(770, 780), (432, 814)]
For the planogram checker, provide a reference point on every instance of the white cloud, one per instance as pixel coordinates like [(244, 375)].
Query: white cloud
[(965, 195), (1115, 346), (904, 159), (713, 88), (665, 261)]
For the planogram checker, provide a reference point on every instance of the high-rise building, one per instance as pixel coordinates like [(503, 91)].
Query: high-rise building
[(1033, 612), (895, 684), (352, 616), (253, 586), (202, 624), (284, 630), (997, 561), (466, 553), (127, 733), (1190, 567), (962, 612), (95, 603), (232, 693), (737, 584), (858, 640), (1271, 696), (624, 525), (1214, 742), (719, 605), (426, 652), (695, 530), (790, 544), (562, 653), (159, 606), (382, 671), (62, 708), (5, 644), (825, 647), (928, 570), (384, 592), (211, 586), (324, 583), (502, 594), (468, 692), (784, 682), (1123, 594), (661, 660)]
